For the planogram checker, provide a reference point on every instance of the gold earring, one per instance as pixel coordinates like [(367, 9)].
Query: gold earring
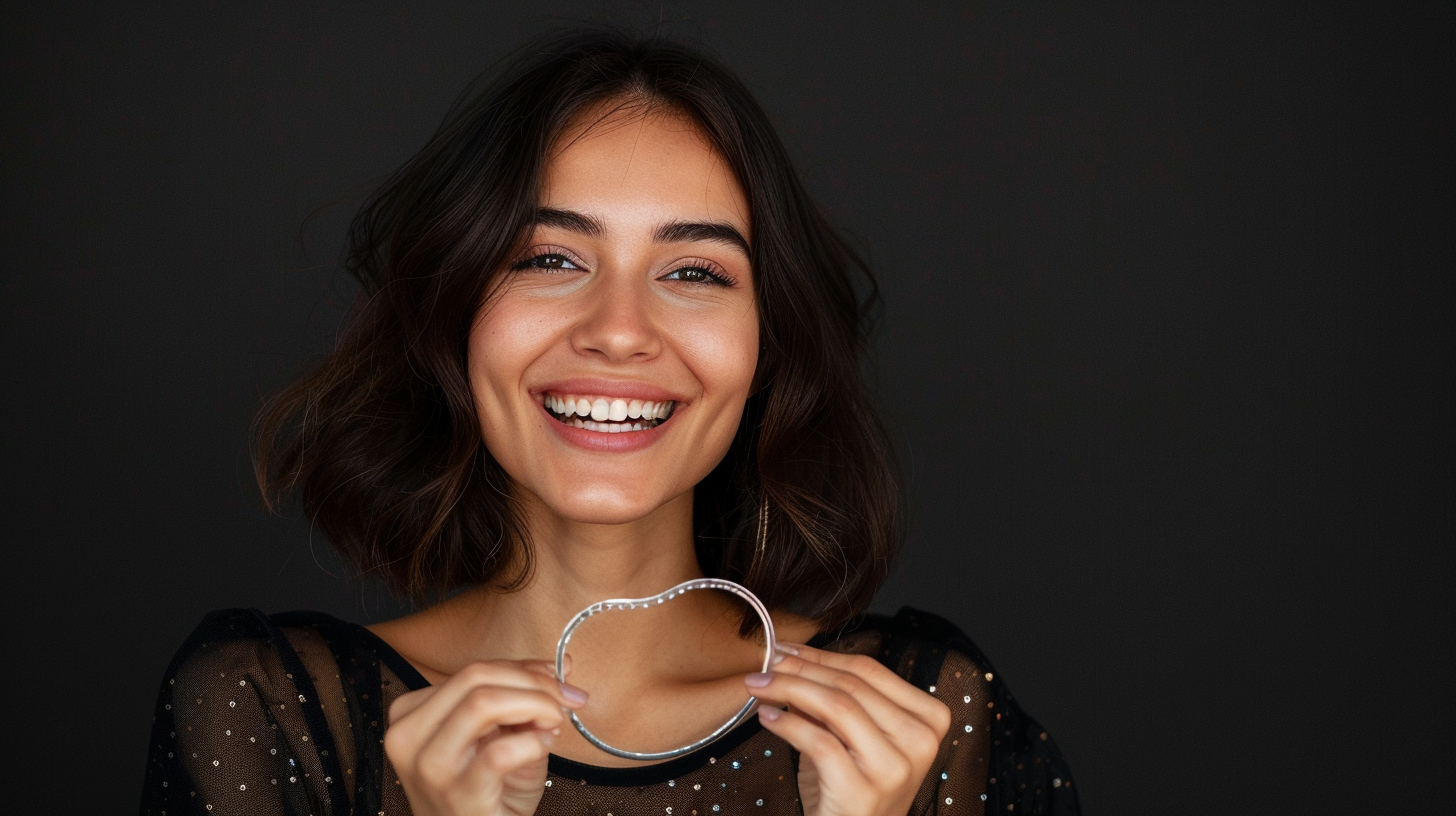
[(762, 525)]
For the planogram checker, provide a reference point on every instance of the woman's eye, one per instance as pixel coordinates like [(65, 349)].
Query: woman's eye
[(549, 260), (695, 274)]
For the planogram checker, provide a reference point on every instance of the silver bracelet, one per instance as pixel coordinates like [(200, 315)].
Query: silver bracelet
[(662, 597)]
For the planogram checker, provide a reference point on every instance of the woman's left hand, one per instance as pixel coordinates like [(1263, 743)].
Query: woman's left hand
[(866, 738)]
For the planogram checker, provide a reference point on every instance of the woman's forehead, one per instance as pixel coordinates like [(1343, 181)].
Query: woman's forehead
[(624, 164)]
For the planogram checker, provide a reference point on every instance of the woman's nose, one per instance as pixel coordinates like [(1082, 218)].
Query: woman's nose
[(618, 324)]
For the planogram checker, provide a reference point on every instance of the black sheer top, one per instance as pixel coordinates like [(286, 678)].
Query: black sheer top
[(285, 714)]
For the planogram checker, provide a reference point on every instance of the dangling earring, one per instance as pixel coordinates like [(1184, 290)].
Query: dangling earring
[(762, 527)]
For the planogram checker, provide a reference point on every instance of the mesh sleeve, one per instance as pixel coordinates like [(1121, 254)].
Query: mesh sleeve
[(995, 759), (231, 732)]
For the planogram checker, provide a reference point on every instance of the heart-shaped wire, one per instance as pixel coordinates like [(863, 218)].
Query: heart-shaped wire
[(613, 604)]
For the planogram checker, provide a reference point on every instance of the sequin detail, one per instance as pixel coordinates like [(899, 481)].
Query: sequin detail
[(282, 704)]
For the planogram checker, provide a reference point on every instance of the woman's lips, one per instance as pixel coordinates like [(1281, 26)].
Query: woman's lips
[(610, 415), (605, 436), (609, 389)]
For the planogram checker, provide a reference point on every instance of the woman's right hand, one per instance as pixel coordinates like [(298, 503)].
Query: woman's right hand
[(476, 745)]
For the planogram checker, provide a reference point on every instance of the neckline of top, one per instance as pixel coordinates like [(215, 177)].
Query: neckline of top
[(638, 776)]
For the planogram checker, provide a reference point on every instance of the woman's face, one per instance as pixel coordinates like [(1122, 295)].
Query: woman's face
[(611, 368)]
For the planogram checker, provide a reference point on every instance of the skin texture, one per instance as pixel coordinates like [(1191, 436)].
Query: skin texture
[(618, 304)]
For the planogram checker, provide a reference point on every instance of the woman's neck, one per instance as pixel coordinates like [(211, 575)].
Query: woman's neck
[(573, 565), (659, 677)]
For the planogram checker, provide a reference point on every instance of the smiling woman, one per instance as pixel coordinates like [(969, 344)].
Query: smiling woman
[(605, 344), (635, 289)]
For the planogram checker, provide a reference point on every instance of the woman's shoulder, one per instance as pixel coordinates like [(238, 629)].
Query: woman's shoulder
[(1023, 765), (245, 624), (288, 652), (253, 701), (233, 642), (917, 644)]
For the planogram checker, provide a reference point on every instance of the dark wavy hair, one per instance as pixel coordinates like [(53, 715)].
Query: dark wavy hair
[(382, 443)]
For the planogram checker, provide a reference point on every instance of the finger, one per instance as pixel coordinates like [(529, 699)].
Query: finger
[(925, 705), (546, 667), (412, 721), (479, 715), (906, 727), (837, 769), (549, 666), (840, 712), (409, 701), (510, 752), (497, 769), (507, 674)]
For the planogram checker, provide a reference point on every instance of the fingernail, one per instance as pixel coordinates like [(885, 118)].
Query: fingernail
[(769, 713), (786, 648), (547, 737), (572, 693), (758, 679)]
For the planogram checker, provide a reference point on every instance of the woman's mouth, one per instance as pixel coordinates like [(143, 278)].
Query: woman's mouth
[(607, 414)]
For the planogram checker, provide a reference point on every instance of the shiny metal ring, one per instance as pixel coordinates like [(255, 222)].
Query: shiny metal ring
[(662, 597)]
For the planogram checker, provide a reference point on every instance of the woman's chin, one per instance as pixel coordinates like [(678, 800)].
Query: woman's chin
[(606, 505)]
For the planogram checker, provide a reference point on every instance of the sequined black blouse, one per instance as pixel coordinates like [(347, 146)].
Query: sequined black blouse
[(285, 714)]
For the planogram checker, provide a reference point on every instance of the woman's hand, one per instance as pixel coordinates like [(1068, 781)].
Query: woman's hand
[(866, 738), (477, 744)]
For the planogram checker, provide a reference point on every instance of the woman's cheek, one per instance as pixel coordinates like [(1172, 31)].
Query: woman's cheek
[(722, 347), (724, 355)]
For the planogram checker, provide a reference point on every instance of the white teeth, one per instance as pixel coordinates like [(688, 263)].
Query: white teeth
[(608, 415)]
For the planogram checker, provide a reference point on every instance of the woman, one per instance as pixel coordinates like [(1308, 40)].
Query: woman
[(605, 344)]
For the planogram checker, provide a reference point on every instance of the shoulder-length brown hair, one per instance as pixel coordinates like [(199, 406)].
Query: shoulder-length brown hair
[(382, 443)]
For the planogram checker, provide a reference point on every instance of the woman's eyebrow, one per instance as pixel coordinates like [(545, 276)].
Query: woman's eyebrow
[(683, 231), (670, 233), (571, 221)]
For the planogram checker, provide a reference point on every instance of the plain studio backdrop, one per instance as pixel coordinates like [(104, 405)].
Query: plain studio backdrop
[(1166, 351)]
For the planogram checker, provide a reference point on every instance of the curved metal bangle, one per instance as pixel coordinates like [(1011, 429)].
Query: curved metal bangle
[(661, 597)]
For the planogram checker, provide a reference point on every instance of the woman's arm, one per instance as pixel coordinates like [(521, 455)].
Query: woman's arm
[(238, 728)]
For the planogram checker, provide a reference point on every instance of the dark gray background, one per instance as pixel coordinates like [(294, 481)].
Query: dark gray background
[(1167, 351)]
